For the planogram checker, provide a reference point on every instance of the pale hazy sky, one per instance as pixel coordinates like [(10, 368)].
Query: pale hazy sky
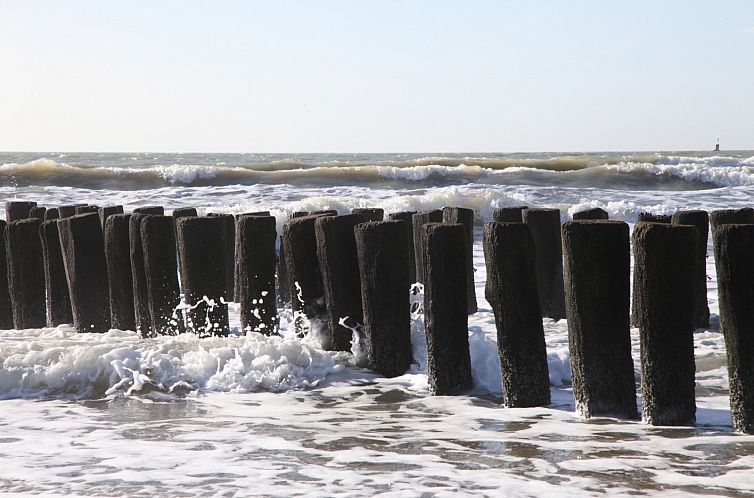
[(364, 76)]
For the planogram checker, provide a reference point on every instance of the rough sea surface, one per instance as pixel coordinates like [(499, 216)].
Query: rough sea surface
[(117, 415)]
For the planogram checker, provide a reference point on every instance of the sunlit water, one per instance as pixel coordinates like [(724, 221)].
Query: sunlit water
[(118, 415)]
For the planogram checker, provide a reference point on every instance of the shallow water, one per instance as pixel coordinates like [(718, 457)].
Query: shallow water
[(118, 415)]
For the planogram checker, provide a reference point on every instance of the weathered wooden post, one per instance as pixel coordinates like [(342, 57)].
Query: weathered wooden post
[(730, 216), (700, 220), (545, 229), (512, 292), (466, 218), (142, 319), (733, 246), (68, 211), (106, 212), (120, 277), (664, 258), (159, 210), (185, 211), (160, 268), (26, 282), (6, 308), (229, 241), (418, 221), (591, 214), (18, 210), (283, 282), (408, 216), (51, 214), (339, 266), (445, 308), (37, 212), (370, 214), (384, 262), (597, 286), (89, 208), (643, 218), (83, 249), (237, 261), (202, 252), (325, 212), (58, 296), (255, 253), (509, 214), (305, 279)]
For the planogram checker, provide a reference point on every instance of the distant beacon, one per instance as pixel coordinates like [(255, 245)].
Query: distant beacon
[(717, 146)]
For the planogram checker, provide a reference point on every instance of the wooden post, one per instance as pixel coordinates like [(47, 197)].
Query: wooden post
[(6, 308), (466, 218), (58, 296), (445, 308), (25, 273), (339, 266), (545, 229), (283, 282), (18, 210), (384, 263), (107, 211), (597, 286), (142, 319), (158, 210), (229, 242), (730, 216), (370, 214), (255, 253), (67, 211), (237, 260), (700, 220), (83, 249), (181, 212), (37, 212), (512, 292), (664, 258), (163, 292), (120, 278), (509, 214), (643, 218), (202, 252), (418, 221), (408, 216), (87, 209), (591, 214), (51, 214), (733, 246)]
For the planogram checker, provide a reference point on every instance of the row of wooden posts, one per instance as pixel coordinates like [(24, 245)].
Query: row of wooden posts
[(100, 268)]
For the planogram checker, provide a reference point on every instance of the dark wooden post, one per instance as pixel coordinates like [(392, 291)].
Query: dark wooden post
[(202, 252), (107, 211), (730, 216), (445, 308), (512, 292), (664, 258), (370, 214), (120, 278), (591, 214), (339, 265), (87, 209), (597, 286), (181, 212), (26, 281), (325, 212), (408, 216), (229, 241), (6, 308), (283, 282), (700, 220), (67, 211), (142, 319), (52, 214), (159, 210), (545, 229), (643, 218), (466, 218), (18, 210), (83, 249), (160, 268), (384, 262), (418, 221), (734, 245), (58, 296), (305, 279), (255, 253), (37, 212), (509, 214)]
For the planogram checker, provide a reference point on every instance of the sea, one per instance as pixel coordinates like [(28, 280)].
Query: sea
[(115, 414)]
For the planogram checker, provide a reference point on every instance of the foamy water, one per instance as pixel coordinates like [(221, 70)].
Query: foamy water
[(118, 415)]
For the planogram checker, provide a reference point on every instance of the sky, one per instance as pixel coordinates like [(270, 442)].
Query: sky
[(376, 76)]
